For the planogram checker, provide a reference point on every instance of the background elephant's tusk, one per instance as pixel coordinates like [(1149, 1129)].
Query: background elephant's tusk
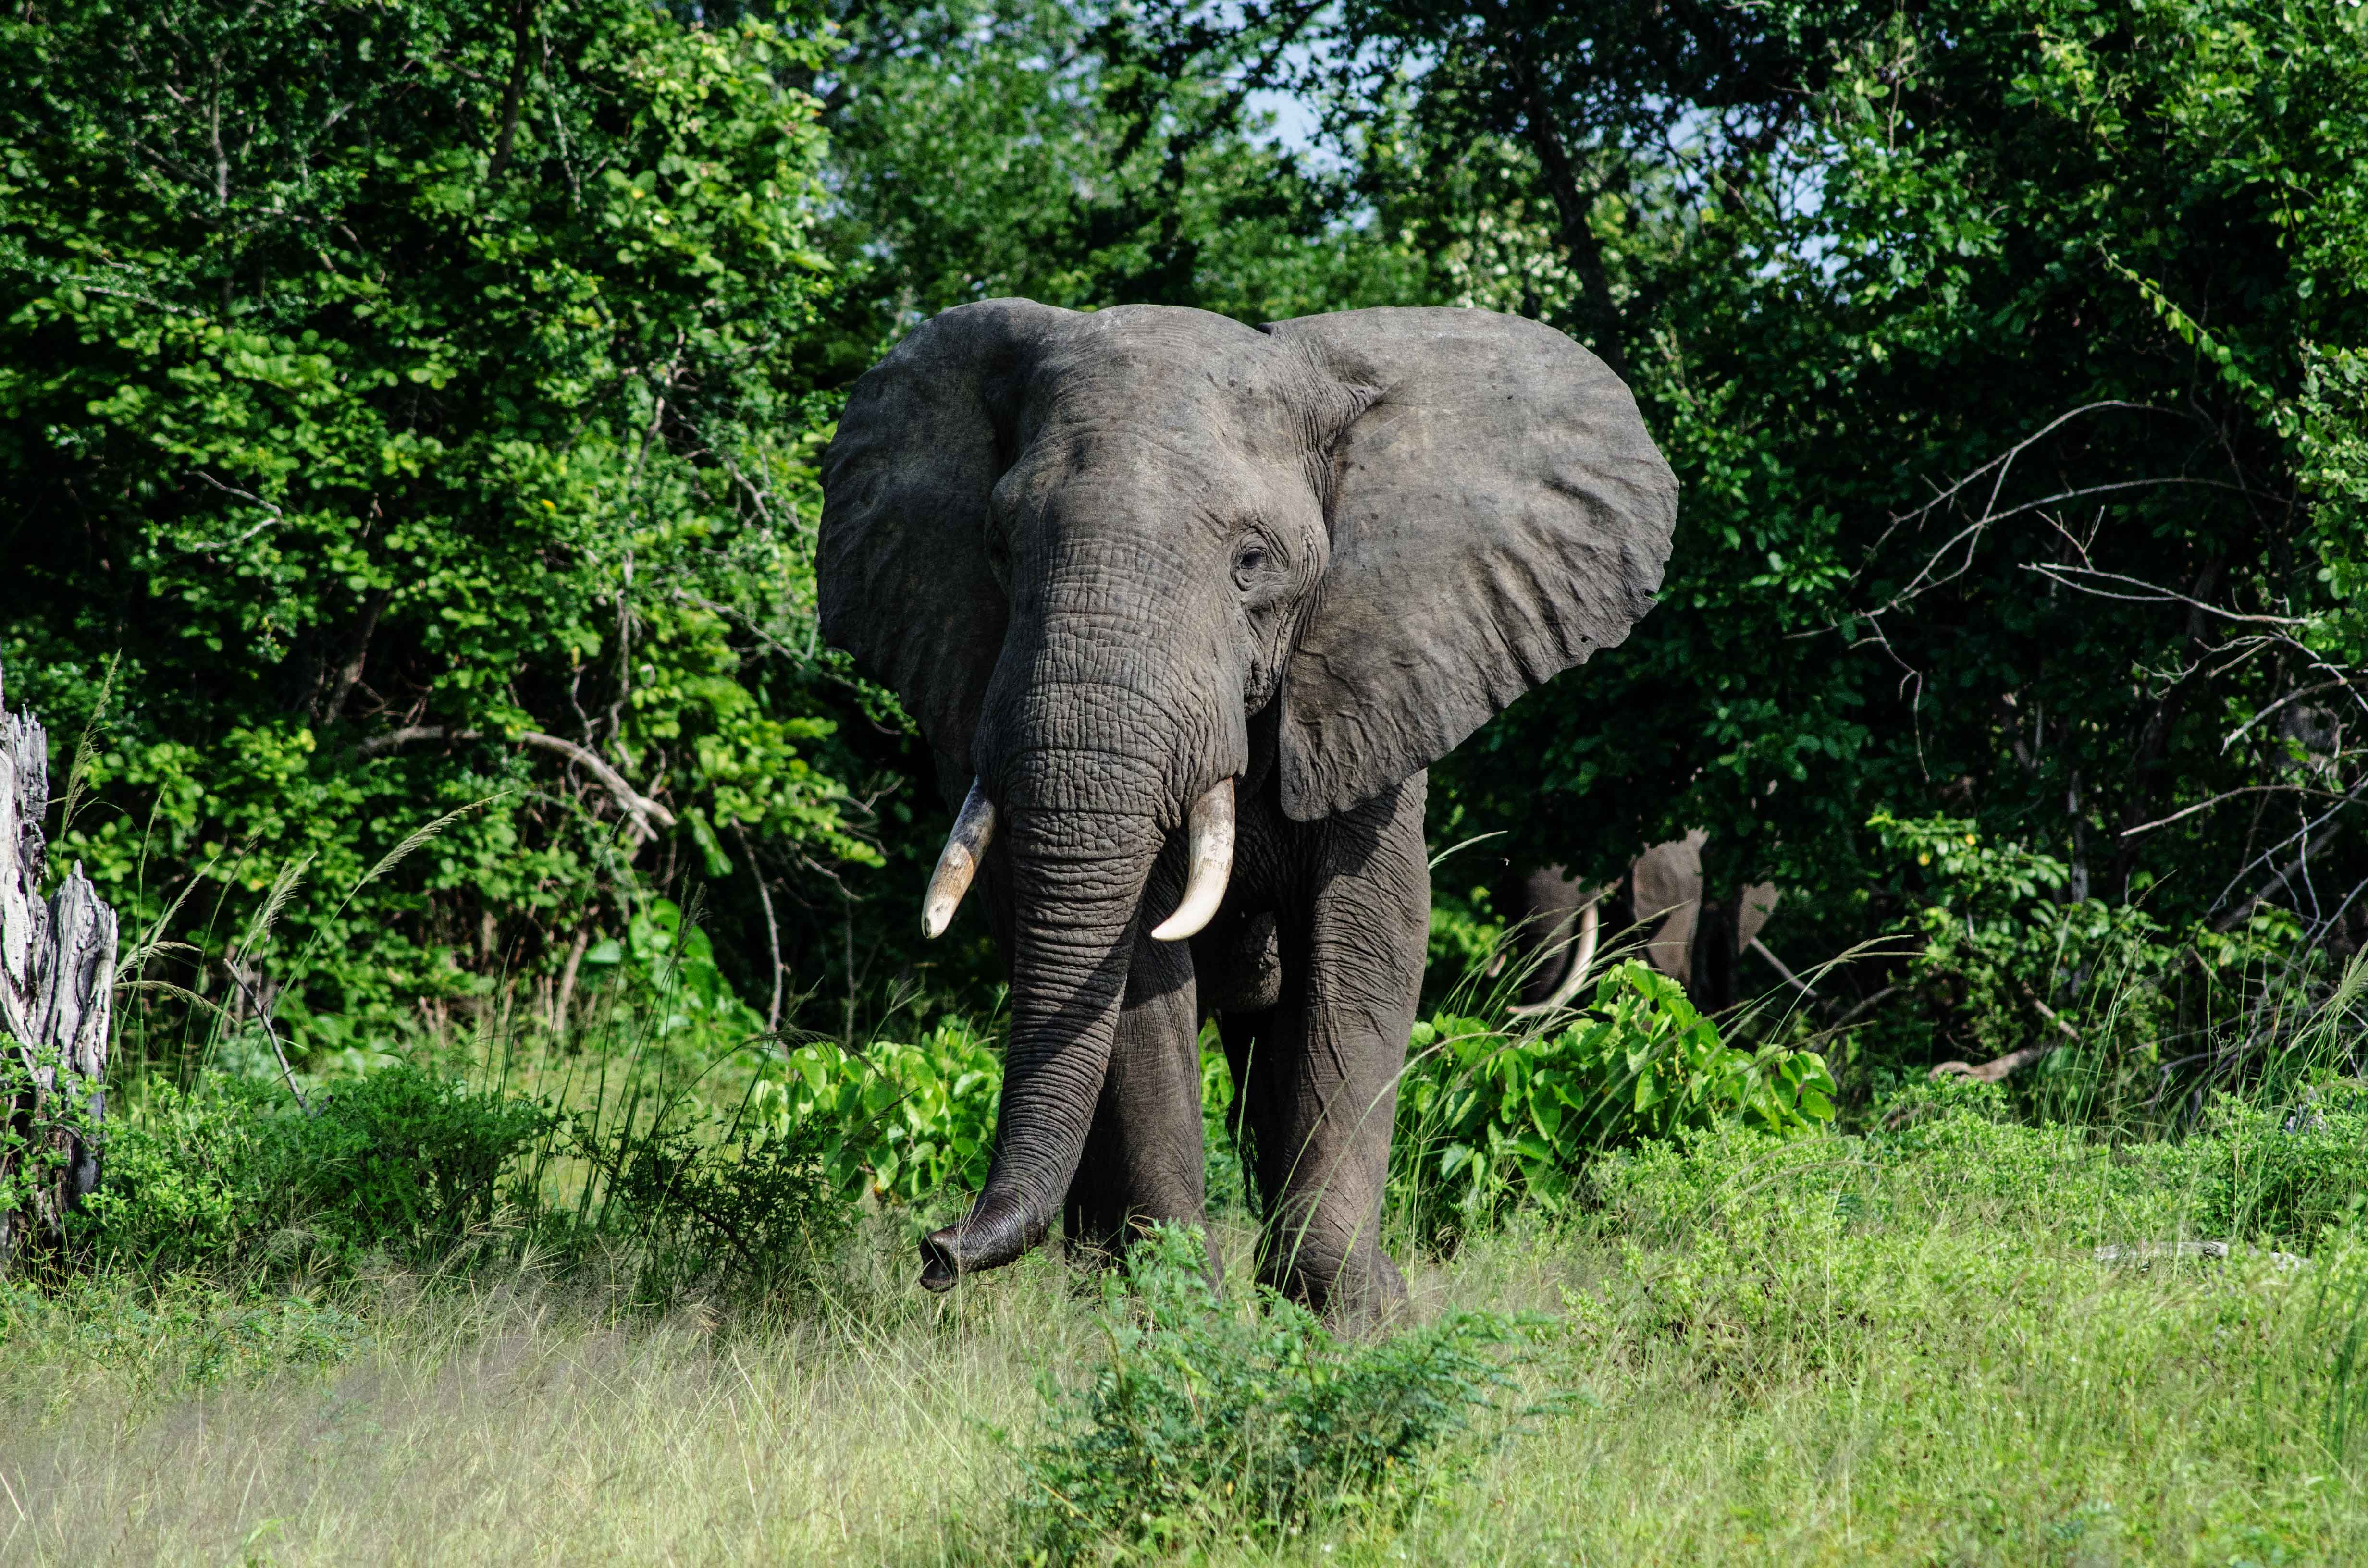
[(1211, 848), (1582, 957), (966, 846)]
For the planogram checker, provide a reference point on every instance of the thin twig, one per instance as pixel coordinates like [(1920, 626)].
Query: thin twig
[(2227, 795), (2151, 594), (1795, 981), (263, 1017), (772, 928)]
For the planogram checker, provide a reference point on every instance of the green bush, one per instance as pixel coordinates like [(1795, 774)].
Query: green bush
[(1733, 1197), (1762, 1262), (2289, 1175), (441, 387), (1485, 1116), (1240, 1420), (751, 1214), (906, 1121), (234, 1176)]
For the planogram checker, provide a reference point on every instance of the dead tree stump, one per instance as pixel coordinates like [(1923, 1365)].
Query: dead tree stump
[(57, 1009)]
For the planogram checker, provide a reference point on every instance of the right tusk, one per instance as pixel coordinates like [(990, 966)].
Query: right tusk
[(966, 846), (1581, 957), (1211, 847)]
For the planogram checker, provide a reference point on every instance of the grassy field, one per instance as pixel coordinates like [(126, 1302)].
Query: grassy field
[(1896, 1350)]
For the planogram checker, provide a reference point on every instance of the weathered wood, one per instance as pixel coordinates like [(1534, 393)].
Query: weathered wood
[(57, 1006)]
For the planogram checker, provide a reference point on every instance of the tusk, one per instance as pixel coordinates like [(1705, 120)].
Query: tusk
[(1211, 838), (966, 846), (1581, 957)]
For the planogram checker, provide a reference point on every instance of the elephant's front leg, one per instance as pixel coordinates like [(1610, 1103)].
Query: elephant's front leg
[(1143, 1158), (1321, 1075)]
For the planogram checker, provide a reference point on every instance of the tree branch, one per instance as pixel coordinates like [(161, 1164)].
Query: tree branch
[(1993, 1071), (645, 815), (514, 94)]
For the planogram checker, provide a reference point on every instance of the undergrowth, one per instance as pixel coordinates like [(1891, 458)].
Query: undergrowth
[(1244, 1419), (1903, 1348)]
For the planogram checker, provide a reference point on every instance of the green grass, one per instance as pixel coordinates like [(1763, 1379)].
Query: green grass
[(1896, 1350)]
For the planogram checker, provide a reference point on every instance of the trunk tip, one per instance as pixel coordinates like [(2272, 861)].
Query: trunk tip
[(941, 1268)]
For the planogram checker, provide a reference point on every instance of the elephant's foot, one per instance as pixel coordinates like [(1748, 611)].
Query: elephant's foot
[(1355, 1289)]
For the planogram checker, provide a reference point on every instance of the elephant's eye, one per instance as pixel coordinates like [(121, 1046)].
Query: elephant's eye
[(1249, 560)]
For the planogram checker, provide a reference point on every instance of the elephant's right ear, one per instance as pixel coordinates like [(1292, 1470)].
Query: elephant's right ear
[(901, 567)]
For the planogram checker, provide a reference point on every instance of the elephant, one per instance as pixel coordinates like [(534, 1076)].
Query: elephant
[(1556, 923), (1183, 609)]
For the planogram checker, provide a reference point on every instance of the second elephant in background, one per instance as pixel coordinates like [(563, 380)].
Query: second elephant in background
[(1558, 924)]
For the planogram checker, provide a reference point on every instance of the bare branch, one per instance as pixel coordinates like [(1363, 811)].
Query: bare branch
[(263, 1017), (2228, 795), (1782, 968), (2238, 734), (646, 816), (1993, 1071), (2152, 594)]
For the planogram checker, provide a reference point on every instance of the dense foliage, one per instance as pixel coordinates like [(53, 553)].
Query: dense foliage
[(236, 1179), (2004, 350), (414, 413), (1488, 1118), (403, 417), (1050, 150)]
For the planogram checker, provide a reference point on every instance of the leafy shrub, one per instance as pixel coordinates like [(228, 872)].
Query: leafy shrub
[(2009, 956), (47, 1128), (2289, 1175), (1241, 1420), (914, 1122), (663, 972), (754, 1212), (2247, 1172), (906, 1121), (386, 414), (1485, 1116), (234, 1175)]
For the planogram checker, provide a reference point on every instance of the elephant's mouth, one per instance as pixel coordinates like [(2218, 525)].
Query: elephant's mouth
[(1210, 848)]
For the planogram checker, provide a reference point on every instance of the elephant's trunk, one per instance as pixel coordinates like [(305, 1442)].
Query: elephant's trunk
[(1077, 879), (1100, 733)]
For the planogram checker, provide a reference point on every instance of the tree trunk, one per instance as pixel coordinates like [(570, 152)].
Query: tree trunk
[(57, 1009)]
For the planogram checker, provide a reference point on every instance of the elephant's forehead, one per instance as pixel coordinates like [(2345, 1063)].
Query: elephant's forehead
[(1103, 471), (1197, 384)]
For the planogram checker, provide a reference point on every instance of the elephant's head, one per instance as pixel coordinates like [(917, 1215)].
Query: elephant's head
[(1084, 550)]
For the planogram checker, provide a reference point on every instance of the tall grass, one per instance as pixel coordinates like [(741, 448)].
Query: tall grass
[(1808, 1352), (1902, 1346)]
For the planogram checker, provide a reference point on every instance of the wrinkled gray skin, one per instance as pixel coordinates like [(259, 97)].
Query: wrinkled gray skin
[(1698, 944), (1107, 560)]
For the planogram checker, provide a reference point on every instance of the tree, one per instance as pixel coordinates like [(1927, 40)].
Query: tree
[(1000, 147), (402, 405), (2002, 346)]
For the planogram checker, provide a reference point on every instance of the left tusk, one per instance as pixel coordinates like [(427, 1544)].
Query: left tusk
[(1211, 848), (966, 846)]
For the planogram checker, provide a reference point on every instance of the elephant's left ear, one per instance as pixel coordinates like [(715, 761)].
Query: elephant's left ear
[(1499, 512)]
